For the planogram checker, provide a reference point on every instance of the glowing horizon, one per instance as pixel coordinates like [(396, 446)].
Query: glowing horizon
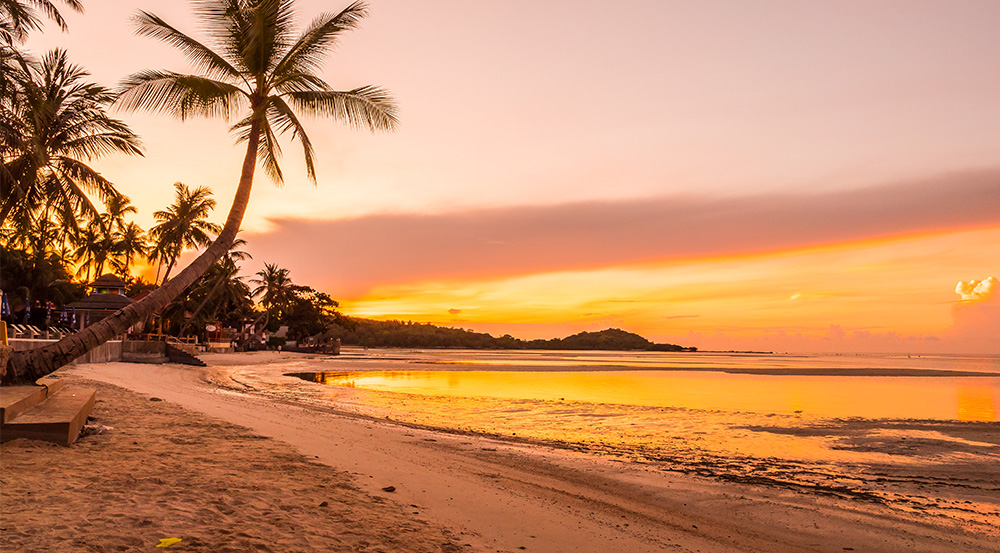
[(873, 293)]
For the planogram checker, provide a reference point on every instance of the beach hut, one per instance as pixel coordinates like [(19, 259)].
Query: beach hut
[(107, 295)]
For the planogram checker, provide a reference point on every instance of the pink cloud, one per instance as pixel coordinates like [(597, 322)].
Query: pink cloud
[(349, 256)]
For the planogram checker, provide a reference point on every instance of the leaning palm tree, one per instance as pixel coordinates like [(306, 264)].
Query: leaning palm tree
[(260, 70), (184, 224), (226, 284)]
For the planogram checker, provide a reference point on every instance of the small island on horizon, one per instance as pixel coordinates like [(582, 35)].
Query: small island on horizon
[(407, 334)]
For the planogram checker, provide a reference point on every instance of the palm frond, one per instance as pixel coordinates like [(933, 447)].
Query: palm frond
[(308, 52), (297, 81), (97, 145), (368, 107), (63, 190), (180, 95), (255, 33), (203, 58), (268, 153), (84, 177), (52, 12), (290, 122)]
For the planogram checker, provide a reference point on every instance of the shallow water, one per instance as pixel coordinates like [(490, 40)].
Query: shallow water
[(965, 388), (926, 442), (940, 398)]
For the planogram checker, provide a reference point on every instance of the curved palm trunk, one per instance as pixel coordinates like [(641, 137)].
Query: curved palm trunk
[(170, 266), (28, 366)]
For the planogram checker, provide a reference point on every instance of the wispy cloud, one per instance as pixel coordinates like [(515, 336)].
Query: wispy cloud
[(350, 256)]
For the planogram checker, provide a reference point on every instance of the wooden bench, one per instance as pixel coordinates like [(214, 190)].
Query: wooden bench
[(58, 417)]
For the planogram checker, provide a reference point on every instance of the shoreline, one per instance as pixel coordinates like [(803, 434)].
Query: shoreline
[(501, 495)]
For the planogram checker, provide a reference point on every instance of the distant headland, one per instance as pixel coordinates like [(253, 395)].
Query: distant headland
[(405, 334)]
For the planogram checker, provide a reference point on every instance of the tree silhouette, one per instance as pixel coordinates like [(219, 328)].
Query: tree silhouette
[(260, 70)]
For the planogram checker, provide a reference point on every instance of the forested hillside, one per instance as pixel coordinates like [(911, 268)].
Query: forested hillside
[(400, 334)]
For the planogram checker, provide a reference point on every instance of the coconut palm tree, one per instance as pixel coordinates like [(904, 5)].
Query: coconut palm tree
[(260, 70), (94, 246), (184, 224), (55, 125), (115, 210), (129, 243), (274, 288)]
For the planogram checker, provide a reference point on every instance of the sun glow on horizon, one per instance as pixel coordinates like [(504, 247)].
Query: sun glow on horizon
[(894, 286)]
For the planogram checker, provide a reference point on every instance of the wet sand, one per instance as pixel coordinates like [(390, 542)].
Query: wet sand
[(224, 466)]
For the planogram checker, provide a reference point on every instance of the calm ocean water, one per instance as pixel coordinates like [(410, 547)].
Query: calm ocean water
[(919, 433), (964, 388)]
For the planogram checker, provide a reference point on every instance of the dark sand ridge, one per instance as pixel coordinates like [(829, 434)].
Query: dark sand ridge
[(772, 371)]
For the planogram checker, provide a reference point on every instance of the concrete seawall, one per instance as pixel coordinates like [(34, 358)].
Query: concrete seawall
[(108, 351)]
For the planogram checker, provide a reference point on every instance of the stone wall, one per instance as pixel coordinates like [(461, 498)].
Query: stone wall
[(108, 351), (144, 352)]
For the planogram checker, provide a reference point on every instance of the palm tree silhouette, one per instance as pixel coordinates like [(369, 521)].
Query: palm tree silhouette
[(130, 243), (274, 288), (17, 17), (184, 224), (115, 210), (261, 70)]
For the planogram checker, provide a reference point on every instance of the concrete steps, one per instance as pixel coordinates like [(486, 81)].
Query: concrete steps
[(50, 411), (177, 355), (14, 400)]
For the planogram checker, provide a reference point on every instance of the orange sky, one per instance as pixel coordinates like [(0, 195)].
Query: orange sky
[(778, 175), (867, 296)]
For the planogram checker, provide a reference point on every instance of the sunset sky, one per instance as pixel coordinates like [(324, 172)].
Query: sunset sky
[(787, 176)]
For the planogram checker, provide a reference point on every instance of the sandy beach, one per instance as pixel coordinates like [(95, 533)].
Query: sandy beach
[(198, 455)]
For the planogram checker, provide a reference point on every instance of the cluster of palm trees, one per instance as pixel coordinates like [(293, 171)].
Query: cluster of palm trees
[(107, 242), (53, 124), (257, 72)]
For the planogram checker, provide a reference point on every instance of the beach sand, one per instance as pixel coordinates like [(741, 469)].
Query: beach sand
[(160, 471), (226, 469)]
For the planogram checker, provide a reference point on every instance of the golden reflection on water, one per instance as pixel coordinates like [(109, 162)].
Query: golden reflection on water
[(977, 403), (554, 360), (942, 398)]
